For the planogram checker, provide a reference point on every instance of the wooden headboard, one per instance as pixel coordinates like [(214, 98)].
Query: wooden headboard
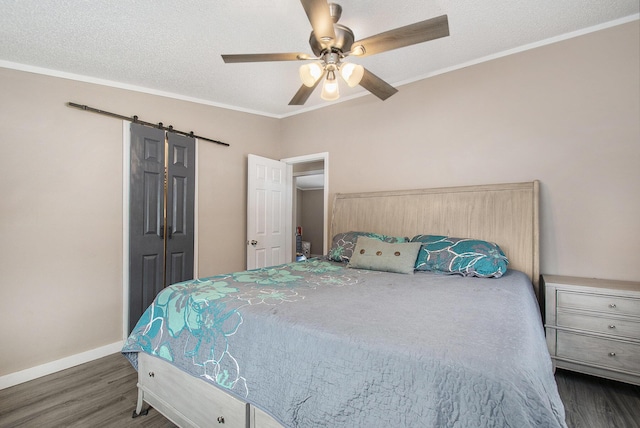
[(506, 214)]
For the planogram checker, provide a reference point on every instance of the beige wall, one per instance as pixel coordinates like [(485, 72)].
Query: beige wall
[(312, 219), (308, 166), (61, 207), (566, 114)]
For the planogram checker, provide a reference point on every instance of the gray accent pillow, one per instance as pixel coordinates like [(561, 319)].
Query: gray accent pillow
[(374, 254), (343, 244)]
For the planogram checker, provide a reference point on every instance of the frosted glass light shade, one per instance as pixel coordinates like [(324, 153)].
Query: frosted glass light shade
[(352, 74), (330, 89), (310, 73)]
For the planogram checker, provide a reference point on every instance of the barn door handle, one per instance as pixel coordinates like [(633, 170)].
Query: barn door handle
[(169, 232)]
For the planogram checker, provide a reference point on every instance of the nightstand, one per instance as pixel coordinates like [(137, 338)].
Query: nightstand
[(593, 326)]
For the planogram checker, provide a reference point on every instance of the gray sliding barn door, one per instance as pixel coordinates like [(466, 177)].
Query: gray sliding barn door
[(180, 207), (146, 219), (161, 214)]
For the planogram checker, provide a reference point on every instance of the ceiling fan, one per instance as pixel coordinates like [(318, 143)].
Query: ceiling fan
[(331, 43)]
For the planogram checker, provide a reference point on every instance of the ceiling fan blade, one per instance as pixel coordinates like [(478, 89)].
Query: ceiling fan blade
[(303, 93), (376, 85), (301, 96), (266, 57), (321, 21), (408, 35)]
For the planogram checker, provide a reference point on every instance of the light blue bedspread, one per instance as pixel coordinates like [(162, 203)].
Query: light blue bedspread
[(316, 344)]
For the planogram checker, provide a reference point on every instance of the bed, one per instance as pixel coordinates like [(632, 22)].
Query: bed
[(327, 343)]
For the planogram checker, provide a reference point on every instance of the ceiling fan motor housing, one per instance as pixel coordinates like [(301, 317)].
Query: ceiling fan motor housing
[(335, 10), (343, 41)]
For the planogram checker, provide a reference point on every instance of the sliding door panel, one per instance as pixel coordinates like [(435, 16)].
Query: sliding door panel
[(146, 214), (181, 175)]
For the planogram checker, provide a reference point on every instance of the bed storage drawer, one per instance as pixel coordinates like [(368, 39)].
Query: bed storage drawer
[(613, 354), (207, 406), (260, 419)]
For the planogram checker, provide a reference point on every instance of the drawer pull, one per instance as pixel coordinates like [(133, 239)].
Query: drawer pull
[(612, 326), (220, 419), (151, 374), (612, 354), (612, 305)]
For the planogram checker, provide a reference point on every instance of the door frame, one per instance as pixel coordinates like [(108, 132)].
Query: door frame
[(324, 156), (126, 182)]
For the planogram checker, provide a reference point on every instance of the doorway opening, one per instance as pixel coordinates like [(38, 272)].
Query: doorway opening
[(309, 204), (308, 210)]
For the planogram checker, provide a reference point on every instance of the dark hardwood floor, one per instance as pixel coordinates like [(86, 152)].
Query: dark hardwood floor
[(103, 393), (591, 402)]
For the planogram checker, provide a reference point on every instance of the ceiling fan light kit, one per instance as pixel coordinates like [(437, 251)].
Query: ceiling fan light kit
[(332, 42), (352, 74), (310, 73), (330, 90)]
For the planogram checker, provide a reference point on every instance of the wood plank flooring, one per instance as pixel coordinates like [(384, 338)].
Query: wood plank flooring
[(591, 402), (103, 393)]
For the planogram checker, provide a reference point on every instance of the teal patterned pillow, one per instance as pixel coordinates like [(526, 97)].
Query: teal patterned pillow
[(468, 257), (343, 244)]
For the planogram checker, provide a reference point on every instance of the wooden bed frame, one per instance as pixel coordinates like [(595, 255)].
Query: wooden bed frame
[(506, 214)]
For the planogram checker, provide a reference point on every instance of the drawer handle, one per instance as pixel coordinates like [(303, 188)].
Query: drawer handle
[(612, 305), (612, 326), (152, 374), (612, 354), (220, 419)]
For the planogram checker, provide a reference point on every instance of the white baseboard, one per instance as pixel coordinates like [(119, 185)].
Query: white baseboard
[(55, 366)]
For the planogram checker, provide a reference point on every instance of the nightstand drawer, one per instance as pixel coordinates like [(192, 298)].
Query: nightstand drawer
[(604, 325), (599, 303), (602, 352)]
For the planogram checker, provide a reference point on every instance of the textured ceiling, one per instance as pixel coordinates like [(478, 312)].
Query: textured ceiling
[(174, 47)]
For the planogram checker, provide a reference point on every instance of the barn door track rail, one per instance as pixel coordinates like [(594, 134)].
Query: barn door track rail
[(135, 119)]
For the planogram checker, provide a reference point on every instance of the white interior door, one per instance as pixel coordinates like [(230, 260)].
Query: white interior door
[(268, 184)]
